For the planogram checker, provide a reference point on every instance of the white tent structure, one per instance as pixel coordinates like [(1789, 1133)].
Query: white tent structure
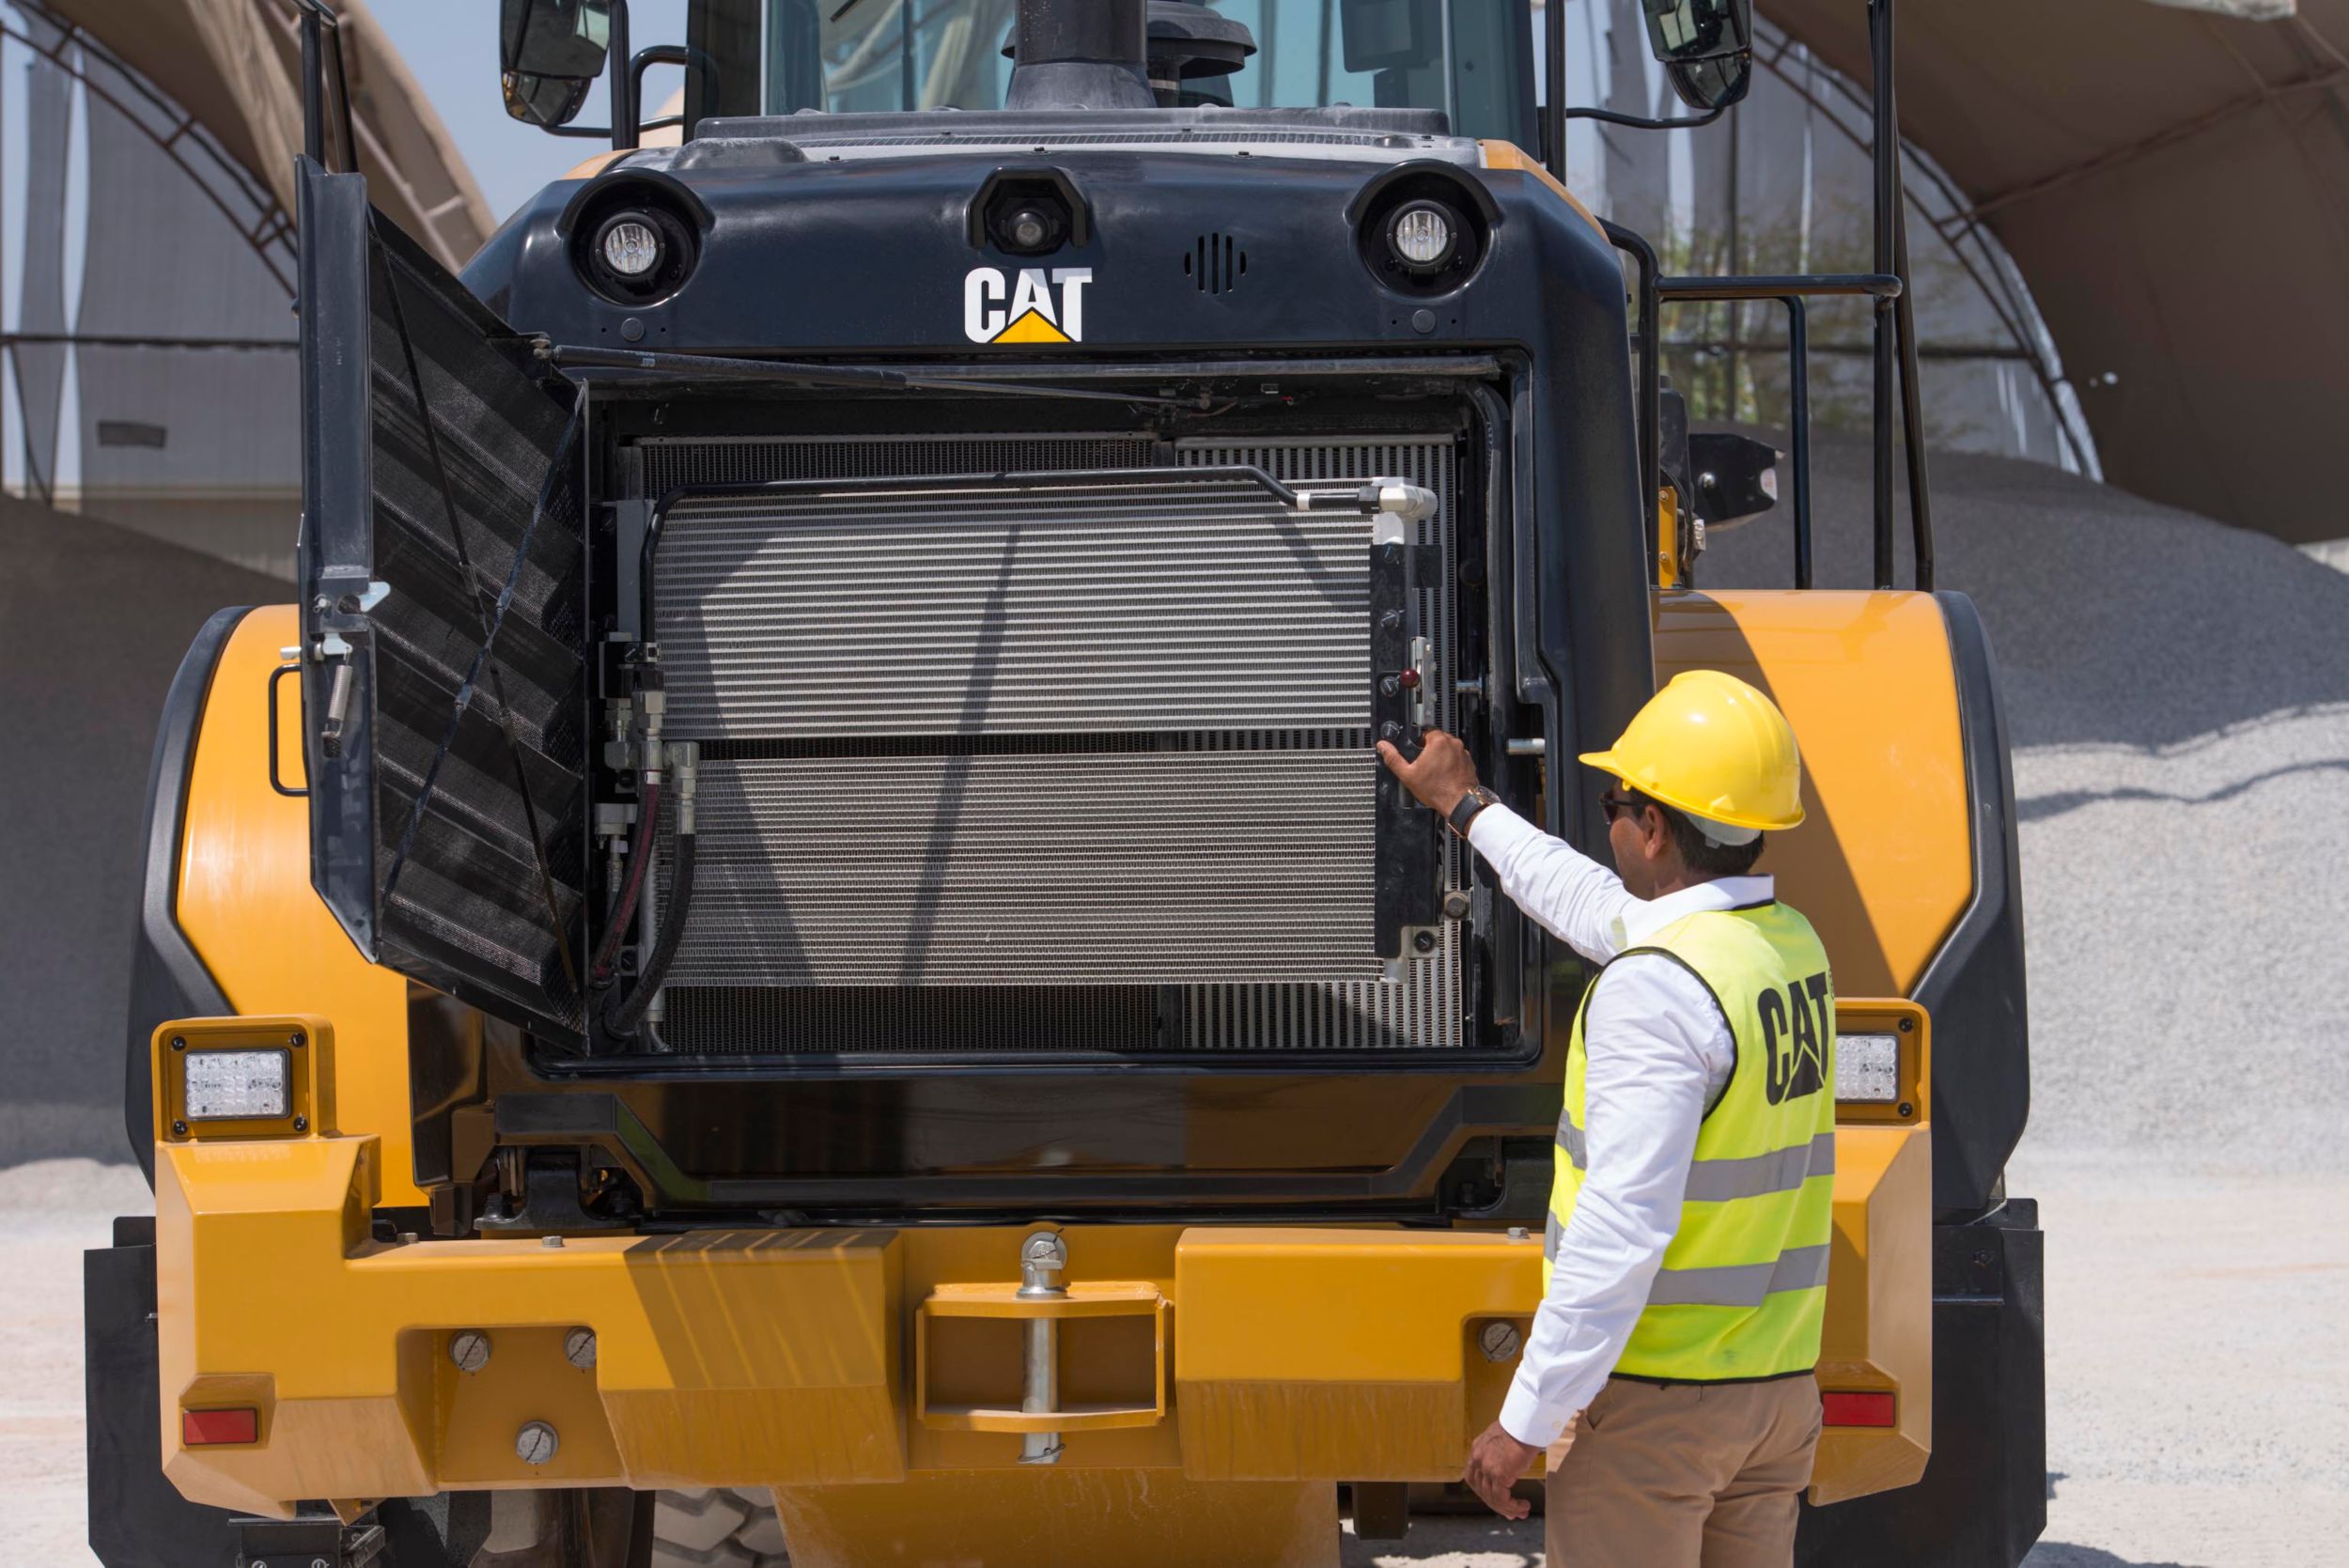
[(2172, 181), (183, 384)]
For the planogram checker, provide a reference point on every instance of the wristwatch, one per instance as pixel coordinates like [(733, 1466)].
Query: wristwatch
[(1464, 810)]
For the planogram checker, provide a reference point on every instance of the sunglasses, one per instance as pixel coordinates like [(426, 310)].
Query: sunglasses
[(1615, 805)]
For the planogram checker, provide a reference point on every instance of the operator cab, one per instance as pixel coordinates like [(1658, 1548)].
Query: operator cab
[(1472, 60)]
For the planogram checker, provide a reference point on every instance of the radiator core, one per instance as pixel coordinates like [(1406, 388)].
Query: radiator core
[(1100, 747), (992, 610)]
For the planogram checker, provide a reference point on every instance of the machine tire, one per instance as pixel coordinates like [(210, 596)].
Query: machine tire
[(717, 1528)]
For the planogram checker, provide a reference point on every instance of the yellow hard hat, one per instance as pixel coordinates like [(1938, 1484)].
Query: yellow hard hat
[(1714, 747)]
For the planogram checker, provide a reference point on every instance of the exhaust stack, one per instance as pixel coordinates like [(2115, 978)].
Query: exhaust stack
[(1080, 55)]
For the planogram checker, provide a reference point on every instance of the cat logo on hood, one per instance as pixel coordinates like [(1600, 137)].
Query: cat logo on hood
[(1035, 305)]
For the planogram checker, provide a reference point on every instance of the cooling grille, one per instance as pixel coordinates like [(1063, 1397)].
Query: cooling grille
[(671, 463), (989, 609), (1426, 1008), (876, 972), (1008, 870)]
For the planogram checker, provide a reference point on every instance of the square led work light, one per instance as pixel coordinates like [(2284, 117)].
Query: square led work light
[(238, 1085), (1868, 1068)]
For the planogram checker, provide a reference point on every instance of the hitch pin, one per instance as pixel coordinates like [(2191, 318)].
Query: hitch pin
[(1043, 1255), (337, 696)]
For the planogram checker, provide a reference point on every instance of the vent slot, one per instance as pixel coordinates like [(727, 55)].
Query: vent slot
[(1215, 264)]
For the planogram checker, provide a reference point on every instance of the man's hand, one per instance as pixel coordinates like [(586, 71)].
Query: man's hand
[(1442, 776), (1497, 1462)]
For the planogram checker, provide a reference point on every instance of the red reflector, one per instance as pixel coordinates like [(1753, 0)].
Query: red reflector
[(1857, 1409), (208, 1428)]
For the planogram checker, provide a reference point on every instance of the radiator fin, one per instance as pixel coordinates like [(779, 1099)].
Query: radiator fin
[(1425, 1009), (1005, 870), (987, 608)]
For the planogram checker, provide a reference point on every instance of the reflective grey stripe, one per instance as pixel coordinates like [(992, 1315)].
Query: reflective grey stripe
[(1551, 1231), (1718, 1181), (1742, 1285), (1570, 1140)]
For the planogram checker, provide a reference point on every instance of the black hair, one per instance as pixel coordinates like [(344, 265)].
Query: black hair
[(1705, 859)]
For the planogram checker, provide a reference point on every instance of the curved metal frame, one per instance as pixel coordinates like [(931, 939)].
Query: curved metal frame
[(2011, 312), (271, 238)]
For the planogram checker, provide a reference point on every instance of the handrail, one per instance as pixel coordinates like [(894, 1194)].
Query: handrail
[(1873, 286)]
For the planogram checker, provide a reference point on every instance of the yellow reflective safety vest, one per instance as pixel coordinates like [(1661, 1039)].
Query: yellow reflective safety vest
[(1743, 1288)]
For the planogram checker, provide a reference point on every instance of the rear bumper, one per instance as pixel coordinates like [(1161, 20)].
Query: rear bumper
[(812, 1358), (788, 1357)]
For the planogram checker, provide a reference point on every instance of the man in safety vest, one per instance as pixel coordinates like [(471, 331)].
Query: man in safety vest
[(1684, 1256)]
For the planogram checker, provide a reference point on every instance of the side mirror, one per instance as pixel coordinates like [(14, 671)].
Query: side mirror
[(549, 53), (1734, 477), (1706, 47)]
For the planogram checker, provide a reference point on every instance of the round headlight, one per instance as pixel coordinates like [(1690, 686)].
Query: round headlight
[(1027, 224), (630, 246), (1422, 235)]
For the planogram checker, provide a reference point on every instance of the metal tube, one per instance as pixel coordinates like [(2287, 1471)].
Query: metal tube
[(1041, 1394), (626, 113), (1451, 65), (1650, 379), (1912, 396), (1328, 15), (1554, 97), (1772, 285), (313, 92), (703, 69), (1885, 150), (1799, 419), (1736, 265), (343, 111), (905, 53), (1043, 1255)]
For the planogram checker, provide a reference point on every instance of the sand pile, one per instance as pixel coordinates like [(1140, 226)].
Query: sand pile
[(2178, 692)]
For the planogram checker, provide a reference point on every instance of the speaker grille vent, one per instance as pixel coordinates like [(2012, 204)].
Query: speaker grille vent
[(1215, 264)]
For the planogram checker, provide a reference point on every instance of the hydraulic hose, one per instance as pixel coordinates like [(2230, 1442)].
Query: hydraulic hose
[(620, 1017), (639, 860)]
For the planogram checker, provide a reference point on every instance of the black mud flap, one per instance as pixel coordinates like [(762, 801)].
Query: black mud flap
[(137, 1519), (444, 704), (1982, 1500)]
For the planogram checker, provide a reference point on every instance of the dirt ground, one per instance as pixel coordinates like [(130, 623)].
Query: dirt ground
[(2198, 1380), (2198, 1377)]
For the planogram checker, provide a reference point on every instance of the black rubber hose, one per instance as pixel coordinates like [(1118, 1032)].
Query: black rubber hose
[(621, 1017), (600, 973)]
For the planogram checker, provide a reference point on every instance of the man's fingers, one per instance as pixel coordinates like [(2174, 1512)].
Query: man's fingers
[(1495, 1491), (1393, 758)]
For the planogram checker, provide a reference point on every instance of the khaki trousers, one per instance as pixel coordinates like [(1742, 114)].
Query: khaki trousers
[(1687, 1475)]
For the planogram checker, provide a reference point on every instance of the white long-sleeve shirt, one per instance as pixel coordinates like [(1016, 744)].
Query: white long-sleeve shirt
[(1660, 1052)]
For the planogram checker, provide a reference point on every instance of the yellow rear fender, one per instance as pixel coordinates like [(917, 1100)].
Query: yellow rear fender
[(1906, 863), (230, 923)]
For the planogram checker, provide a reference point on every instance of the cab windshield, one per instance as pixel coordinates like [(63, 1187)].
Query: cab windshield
[(1470, 58)]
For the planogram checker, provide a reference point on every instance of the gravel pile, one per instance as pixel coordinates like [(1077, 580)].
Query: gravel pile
[(2178, 693)]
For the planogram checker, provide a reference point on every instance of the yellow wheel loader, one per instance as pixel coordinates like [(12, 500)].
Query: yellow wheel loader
[(797, 944)]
